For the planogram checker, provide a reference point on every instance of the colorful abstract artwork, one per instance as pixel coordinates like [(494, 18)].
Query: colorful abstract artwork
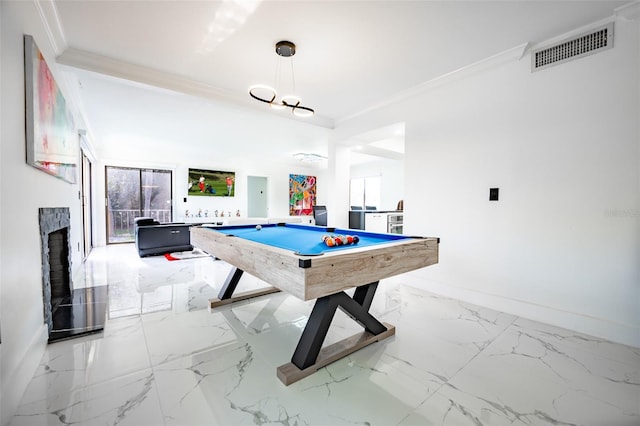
[(302, 195), (52, 139)]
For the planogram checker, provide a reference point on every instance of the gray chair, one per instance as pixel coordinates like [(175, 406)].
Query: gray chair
[(320, 215)]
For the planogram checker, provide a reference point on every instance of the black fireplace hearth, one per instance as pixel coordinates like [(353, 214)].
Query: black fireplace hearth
[(67, 312)]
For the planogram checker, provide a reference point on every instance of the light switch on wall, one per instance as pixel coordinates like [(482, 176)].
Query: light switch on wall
[(493, 194)]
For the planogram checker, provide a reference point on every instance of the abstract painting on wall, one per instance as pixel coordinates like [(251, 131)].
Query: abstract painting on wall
[(52, 139), (302, 195)]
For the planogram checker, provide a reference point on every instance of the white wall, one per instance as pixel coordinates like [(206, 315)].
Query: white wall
[(197, 133), (23, 190), (277, 183), (563, 145)]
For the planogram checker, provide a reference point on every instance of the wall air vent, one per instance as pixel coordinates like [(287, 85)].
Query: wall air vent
[(576, 47)]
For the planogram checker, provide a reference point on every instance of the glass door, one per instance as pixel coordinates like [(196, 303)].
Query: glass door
[(155, 194), (133, 193)]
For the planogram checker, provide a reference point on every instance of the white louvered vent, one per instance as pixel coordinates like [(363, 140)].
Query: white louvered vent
[(577, 47)]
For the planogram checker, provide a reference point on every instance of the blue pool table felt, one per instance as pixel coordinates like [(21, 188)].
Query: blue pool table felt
[(304, 239)]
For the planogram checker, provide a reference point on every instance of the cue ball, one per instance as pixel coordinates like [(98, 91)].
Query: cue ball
[(258, 227)]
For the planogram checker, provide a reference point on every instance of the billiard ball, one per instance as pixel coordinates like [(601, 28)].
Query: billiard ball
[(330, 242), (258, 227), (356, 239)]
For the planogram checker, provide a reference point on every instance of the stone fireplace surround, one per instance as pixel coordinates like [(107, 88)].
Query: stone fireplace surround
[(52, 220), (68, 312)]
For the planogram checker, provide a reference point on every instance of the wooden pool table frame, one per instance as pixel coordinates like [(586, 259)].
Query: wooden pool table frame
[(323, 278)]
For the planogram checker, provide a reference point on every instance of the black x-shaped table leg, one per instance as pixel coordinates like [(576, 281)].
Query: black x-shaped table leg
[(310, 343), (322, 314), (230, 283)]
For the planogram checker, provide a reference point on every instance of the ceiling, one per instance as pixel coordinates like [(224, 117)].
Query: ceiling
[(139, 63)]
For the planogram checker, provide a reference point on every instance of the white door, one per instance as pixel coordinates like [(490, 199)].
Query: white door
[(257, 196)]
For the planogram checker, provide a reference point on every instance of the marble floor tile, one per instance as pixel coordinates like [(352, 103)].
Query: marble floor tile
[(165, 358), (170, 336), (440, 335), (538, 374), (233, 384), (128, 400), (76, 363)]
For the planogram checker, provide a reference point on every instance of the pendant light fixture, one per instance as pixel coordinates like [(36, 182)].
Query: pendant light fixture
[(269, 95)]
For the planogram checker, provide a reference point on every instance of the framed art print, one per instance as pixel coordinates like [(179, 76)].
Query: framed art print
[(302, 195), (52, 139), (211, 183)]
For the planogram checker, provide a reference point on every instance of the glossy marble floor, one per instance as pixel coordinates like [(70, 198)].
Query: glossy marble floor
[(165, 359)]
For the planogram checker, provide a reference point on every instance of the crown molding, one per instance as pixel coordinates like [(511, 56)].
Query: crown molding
[(573, 33), (54, 31), (630, 11), (111, 67), (52, 25), (514, 54)]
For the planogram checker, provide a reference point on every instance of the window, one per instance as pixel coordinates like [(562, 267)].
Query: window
[(132, 193), (365, 192)]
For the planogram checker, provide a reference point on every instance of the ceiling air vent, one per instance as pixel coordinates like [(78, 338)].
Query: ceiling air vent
[(576, 47)]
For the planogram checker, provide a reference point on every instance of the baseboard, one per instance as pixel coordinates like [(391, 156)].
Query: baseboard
[(597, 327), (15, 382)]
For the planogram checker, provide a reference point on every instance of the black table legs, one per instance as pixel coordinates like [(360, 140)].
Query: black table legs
[(310, 355), (314, 333), (230, 283), (226, 296)]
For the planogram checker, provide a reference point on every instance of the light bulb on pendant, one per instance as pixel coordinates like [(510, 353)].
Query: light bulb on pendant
[(266, 94)]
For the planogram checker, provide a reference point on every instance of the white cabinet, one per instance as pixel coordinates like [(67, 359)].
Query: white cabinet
[(375, 222), (389, 222)]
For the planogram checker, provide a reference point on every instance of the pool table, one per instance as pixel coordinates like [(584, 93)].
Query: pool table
[(293, 258)]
